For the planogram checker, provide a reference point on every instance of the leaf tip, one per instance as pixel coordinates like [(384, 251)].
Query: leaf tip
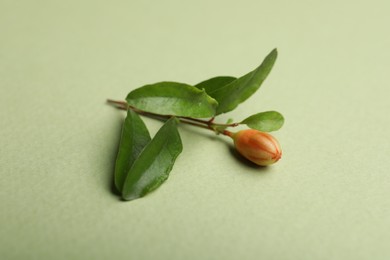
[(273, 53), (129, 197)]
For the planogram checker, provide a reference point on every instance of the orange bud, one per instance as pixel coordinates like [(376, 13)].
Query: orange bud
[(259, 147)]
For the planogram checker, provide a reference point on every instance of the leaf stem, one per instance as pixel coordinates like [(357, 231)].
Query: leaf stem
[(228, 133), (206, 124)]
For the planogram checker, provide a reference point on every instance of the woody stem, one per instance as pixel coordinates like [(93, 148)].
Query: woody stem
[(207, 124)]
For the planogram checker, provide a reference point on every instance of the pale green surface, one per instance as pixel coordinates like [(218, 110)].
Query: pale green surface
[(329, 196)]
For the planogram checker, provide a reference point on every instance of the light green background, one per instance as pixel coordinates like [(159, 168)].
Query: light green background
[(328, 198)]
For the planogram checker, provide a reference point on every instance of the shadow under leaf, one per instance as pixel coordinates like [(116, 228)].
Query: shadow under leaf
[(114, 152)]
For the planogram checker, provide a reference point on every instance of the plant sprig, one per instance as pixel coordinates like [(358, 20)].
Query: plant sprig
[(144, 163), (265, 121)]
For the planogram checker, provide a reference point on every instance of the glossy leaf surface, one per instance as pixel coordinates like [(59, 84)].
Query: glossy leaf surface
[(213, 84), (265, 121), (134, 138), (237, 91), (154, 163), (172, 98)]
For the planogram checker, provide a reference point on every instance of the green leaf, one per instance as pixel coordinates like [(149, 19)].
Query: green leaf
[(134, 137), (266, 121), (221, 128), (236, 92), (213, 84), (154, 163), (172, 98)]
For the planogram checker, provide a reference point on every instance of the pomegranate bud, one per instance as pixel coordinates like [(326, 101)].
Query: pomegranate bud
[(259, 147)]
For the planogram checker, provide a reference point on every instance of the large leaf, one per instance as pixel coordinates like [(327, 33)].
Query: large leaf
[(213, 84), (134, 138), (172, 98), (236, 92), (266, 121), (154, 163)]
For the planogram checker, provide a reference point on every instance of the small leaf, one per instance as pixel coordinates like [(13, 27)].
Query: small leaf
[(154, 163), (134, 137), (236, 92), (266, 121), (172, 98), (213, 84), (221, 128)]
